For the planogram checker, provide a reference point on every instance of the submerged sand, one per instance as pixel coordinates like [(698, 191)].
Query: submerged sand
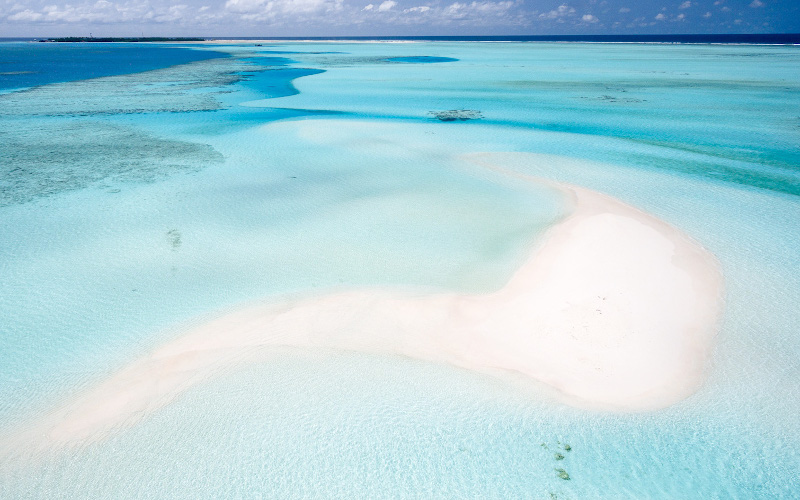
[(615, 309)]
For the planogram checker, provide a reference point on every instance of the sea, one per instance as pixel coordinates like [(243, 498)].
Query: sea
[(148, 186)]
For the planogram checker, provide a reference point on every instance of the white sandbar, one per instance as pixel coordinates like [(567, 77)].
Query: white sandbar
[(615, 309)]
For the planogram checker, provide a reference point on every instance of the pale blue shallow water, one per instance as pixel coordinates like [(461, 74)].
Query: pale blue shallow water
[(134, 203)]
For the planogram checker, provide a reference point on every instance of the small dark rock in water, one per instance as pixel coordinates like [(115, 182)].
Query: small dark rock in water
[(452, 115), (559, 456), (563, 474), (567, 447), (174, 237), (420, 59)]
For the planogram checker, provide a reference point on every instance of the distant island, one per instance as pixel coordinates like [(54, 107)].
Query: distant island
[(73, 39)]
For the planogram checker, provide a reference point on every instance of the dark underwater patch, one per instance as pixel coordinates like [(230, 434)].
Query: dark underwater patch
[(29, 65), (39, 160), (421, 59), (452, 115), (189, 87)]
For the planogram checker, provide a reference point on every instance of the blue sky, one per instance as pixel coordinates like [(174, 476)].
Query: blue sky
[(393, 17)]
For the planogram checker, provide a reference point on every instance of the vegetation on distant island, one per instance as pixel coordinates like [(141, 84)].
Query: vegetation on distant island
[(116, 39)]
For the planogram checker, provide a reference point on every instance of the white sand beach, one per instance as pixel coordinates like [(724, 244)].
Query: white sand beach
[(614, 310)]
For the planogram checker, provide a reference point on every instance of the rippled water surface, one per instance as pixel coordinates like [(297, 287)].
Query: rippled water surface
[(220, 175)]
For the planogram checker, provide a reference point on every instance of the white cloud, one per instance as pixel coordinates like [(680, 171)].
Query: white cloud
[(624, 10), (276, 10), (475, 10), (475, 13), (660, 17), (707, 15), (681, 17), (563, 10), (98, 12), (588, 18), (244, 5), (685, 5), (756, 4), (288, 17), (292, 7), (25, 15), (174, 13)]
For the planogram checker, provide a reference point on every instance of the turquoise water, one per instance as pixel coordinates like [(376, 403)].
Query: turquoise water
[(136, 202)]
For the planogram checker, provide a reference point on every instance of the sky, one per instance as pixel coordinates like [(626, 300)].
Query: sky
[(242, 18)]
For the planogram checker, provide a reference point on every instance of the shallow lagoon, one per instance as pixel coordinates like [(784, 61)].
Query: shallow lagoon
[(240, 197)]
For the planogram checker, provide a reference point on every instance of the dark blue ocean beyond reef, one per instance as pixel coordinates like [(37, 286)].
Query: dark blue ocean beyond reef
[(51, 63), (736, 38), (766, 38)]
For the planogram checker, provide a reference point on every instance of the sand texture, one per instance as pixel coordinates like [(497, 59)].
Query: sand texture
[(614, 310)]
